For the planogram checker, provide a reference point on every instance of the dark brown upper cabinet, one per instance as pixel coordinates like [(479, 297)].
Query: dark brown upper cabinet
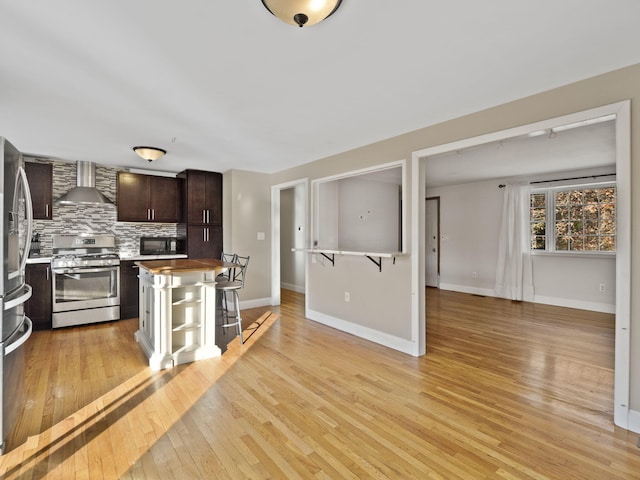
[(40, 177), (202, 197), (149, 198)]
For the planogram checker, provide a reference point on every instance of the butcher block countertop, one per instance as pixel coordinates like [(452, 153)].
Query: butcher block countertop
[(181, 265)]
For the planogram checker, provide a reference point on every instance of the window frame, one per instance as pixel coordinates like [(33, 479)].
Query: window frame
[(550, 218)]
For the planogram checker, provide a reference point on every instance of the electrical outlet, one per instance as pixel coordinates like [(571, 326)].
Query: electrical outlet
[(474, 275), (603, 287), (347, 297)]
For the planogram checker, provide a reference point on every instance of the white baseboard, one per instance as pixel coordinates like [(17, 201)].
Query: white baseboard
[(634, 421), (569, 303), (487, 292), (257, 302), (295, 288), (556, 301), (381, 338)]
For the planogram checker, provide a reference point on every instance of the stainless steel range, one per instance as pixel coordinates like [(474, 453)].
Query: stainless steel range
[(86, 280)]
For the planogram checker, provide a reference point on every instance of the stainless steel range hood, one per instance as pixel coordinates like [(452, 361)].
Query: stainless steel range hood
[(86, 191)]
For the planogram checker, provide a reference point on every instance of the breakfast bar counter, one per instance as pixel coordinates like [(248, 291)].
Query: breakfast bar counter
[(178, 310)]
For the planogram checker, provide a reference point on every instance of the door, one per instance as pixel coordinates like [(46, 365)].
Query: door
[(83, 288), (204, 242), (165, 199), (129, 289), (40, 176), (133, 197), (432, 242), (204, 198), (38, 308), (12, 366), (15, 202)]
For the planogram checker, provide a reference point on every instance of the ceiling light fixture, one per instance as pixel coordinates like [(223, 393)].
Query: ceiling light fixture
[(149, 153), (302, 12)]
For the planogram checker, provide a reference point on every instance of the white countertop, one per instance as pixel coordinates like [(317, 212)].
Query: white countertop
[(32, 260), (153, 257)]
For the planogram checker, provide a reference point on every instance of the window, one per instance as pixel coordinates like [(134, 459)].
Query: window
[(574, 219)]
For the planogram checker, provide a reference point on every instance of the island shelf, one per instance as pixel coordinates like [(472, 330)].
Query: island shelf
[(178, 310)]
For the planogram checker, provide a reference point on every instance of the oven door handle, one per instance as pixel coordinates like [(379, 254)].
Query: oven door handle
[(75, 271)]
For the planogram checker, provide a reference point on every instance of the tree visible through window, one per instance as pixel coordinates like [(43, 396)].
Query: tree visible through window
[(574, 220)]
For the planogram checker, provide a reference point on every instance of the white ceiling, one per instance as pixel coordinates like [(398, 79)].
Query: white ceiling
[(224, 85), (585, 148)]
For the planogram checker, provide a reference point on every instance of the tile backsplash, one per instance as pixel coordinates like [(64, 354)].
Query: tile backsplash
[(95, 219)]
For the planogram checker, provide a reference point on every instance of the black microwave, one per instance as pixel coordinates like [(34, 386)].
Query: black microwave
[(161, 245)]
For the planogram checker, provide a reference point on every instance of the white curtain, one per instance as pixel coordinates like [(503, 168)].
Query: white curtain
[(514, 276)]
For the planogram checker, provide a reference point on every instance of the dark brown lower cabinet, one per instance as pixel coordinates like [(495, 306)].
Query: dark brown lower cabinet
[(129, 289), (38, 307)]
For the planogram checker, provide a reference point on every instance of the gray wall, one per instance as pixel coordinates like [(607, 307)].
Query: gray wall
[(393, 285), (247, 212)]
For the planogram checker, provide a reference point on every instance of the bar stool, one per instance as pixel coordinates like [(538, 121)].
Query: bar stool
[(223, 277), (233, 284)]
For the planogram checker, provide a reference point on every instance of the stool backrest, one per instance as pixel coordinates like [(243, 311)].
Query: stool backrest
[(240, 271), (229, 258)]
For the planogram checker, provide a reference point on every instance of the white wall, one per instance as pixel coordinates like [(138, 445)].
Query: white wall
[(470, 222), (469, 226), (369, 216), (327, 227), (571, 281)]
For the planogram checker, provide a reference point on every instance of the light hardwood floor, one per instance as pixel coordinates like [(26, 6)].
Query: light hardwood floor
[(507, 391)]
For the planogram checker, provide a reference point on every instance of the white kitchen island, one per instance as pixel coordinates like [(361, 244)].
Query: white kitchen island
[(178, 310)]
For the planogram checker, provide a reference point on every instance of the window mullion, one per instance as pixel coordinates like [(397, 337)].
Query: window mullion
[(551, 221)]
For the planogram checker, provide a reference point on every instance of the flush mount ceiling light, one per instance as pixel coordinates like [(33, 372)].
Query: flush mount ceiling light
[(302, 12), (149, 153)]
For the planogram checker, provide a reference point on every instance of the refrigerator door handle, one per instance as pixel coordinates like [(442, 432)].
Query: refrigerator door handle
[(25, 336), (22, 296), (22, 174)]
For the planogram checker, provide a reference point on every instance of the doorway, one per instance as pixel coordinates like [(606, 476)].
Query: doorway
[(289, 227), (621, 112), (432, 241)]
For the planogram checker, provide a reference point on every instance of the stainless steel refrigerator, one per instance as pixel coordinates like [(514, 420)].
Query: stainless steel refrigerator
[(15, 328)]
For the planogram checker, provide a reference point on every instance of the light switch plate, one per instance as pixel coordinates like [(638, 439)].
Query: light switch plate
[(260, 235)]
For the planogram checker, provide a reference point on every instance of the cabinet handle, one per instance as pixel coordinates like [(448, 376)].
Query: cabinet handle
[(204, 216), (207, 233), (46, 209), (47, 273), (204, 234), (153, 214), (208, 216)]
